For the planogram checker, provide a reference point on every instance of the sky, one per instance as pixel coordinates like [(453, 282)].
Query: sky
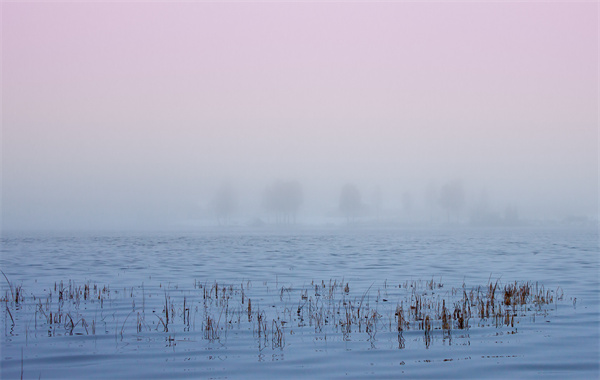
[(125, 114)]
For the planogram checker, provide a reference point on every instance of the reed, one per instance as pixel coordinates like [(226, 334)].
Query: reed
[(326, 306)]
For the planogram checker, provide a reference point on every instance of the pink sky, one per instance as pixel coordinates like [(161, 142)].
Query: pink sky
[(98, 95)]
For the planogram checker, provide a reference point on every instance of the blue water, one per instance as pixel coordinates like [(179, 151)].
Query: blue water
[(275, 267)]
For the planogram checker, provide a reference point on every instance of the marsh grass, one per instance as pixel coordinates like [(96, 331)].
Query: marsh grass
[(326, 307)]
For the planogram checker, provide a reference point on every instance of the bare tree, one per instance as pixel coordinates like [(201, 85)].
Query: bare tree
[(283, 199), (452, 198), (350, 202)]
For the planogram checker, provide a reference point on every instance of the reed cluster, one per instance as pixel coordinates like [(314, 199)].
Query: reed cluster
[(273, 312)]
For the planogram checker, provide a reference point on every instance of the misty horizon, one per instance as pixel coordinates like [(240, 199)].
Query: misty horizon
[(136, 126), (245, 206)]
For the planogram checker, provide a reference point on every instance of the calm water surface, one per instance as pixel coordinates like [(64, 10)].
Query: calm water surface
[(124, 334)]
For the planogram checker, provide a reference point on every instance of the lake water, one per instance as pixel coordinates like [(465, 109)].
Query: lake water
[(324, 303)]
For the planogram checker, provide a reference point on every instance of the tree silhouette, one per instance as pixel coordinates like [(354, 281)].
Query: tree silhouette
[(350, 202), (283, 199), (452, 197)]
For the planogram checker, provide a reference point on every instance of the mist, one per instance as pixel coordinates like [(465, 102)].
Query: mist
[(199, 122)]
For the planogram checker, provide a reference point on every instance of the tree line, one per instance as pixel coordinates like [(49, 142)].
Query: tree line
[(282, 199)]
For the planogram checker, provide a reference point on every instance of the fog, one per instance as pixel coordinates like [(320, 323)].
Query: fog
[(241, 115)]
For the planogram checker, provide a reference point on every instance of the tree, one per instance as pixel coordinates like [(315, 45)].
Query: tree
[(452, 197), (283, 199), (350, 202)]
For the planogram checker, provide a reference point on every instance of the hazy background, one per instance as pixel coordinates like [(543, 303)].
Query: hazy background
[(137, 115)]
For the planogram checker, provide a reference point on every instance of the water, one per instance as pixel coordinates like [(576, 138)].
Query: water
[(124, 334)]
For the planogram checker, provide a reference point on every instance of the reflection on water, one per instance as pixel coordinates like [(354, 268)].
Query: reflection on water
[(328, 303)]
